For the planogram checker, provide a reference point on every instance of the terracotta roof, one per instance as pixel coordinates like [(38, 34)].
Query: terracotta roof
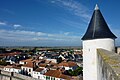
[(10, 54), (39, 69), (55, 64), (17, 67), (54, 73), (31, 60), (65, 77), (27, 60), (42, 65), (67, 64), (30, 64), (57, 74), (8, 66), (1, 66)]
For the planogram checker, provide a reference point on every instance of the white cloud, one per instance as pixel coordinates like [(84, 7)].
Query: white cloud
[(36, 37), (76, 8), (40, 33), (66, 33), (52, 1), (16, 26), (2, 23), (7, 24), (72, 23)]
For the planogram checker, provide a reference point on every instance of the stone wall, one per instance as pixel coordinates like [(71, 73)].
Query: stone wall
[(24, 77), (4, 75), (108, 66)]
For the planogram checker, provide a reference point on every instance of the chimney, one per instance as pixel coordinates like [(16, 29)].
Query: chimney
[(34, 65)]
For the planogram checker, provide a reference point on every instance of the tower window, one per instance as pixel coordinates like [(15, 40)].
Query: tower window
[(89, 50)]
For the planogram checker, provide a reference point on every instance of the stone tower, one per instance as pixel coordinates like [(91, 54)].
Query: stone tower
[(98, 35)]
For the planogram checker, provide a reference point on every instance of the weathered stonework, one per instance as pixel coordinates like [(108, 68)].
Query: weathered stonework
[(108, 65), (14, 76)]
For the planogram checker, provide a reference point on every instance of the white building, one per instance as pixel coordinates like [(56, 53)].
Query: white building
[(56, 75), (38, 73), (68, 65), (63, 58), (10, 61), (28, 68), (98, 35), (25, 61), (52, 60), (12, 69)]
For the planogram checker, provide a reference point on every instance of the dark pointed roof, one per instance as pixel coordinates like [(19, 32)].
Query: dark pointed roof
[(98, 28)]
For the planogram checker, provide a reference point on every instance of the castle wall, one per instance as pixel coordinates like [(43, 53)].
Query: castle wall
[(90, 56), (4, 75)]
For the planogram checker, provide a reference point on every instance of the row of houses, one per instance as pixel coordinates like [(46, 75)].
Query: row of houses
[(44, 65), (42, 69), (15, 57)]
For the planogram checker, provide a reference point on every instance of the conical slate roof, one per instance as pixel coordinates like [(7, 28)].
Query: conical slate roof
[(98, 28)]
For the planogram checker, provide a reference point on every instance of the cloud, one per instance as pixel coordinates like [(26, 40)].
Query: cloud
[(76, 8), (72, 23), (52, 1), (11, 25), (3, 23), (19, 35), (16, 26), (66, 33), (32, 37)]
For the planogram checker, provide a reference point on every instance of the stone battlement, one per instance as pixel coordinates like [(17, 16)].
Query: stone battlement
[(108, 67)]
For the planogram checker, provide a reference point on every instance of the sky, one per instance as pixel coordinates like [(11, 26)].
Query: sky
[(52, 22)]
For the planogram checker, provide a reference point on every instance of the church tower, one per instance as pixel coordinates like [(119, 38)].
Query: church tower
[(98, 35)]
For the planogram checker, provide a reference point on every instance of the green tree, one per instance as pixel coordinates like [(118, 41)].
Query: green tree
[(76, 72), (3, 62), (59, 60)]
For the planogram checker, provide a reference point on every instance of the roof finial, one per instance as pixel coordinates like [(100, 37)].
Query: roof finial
[(96, 7)]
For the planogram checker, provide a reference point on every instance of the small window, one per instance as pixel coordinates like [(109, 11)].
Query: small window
[(47, 78), (23, 68), (52, 78), (89, 49), (29, 70), (38, 77)]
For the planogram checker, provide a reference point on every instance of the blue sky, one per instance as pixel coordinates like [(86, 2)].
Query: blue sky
[(52, 22)]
